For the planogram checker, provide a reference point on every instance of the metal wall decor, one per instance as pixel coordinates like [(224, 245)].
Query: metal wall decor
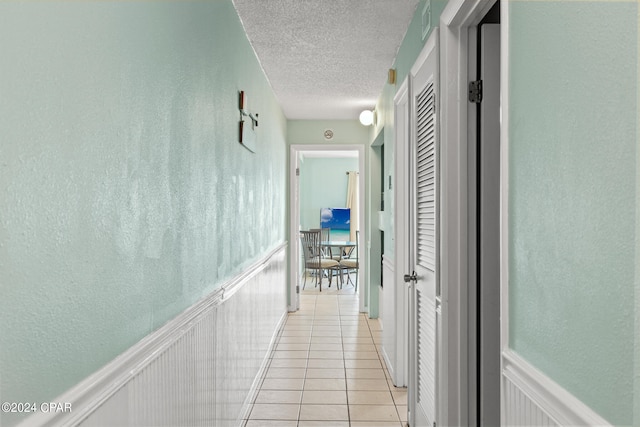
[(247, 129)]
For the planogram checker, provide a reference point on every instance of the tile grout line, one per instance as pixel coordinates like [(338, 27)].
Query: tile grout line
[(344, 363), (306, 365), (331, 311)]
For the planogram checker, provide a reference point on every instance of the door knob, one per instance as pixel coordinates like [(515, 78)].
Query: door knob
[(410, 278)]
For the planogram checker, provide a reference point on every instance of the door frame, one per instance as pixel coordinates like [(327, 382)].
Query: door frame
[(486, 181), (401, 216), (458, 21), (294, 218)]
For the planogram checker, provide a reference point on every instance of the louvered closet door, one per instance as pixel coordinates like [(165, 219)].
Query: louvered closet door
[(425, 221)]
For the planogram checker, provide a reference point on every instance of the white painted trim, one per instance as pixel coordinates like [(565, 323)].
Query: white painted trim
[(429, 46), (455, 21), (402, 92), (231, 286), (387, 265), (91, 393), (400, 264), (294, 212), (504, 195), (294, 151), (636, 372), (504, 174), (402, 211), (401, 190), (560, 405)]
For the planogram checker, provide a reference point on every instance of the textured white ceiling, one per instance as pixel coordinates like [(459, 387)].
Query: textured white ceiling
[(326, 59)]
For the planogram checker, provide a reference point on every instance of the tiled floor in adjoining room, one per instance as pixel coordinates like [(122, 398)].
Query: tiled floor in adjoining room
[(326, 369)]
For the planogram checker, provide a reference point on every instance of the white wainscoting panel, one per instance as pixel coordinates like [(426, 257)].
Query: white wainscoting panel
[(248, 321), (530, 398), (389, 312), (520, 410), (200, 369)]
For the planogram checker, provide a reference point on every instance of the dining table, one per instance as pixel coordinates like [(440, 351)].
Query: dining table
[(338, 244), (342, 245)]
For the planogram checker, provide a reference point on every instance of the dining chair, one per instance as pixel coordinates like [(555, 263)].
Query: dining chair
[(352, 263), (313, 259), (325, 236), (327, 251)]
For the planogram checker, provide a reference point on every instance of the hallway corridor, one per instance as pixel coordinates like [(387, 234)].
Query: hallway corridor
[(326, 370)]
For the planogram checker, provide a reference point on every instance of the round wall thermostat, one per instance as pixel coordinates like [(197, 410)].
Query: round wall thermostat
[(328, 134)]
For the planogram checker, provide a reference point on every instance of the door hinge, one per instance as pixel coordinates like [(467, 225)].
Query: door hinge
[(475, 91), (297, 171), (298, 289)]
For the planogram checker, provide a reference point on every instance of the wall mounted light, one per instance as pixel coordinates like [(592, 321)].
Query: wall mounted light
[(366, 117)]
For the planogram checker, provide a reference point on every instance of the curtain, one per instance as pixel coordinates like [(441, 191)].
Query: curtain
[(352, 203)]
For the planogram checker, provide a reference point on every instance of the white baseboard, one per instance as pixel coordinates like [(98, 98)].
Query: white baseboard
[(530, 398)]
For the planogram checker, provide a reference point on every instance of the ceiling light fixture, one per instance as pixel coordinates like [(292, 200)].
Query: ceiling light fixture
[(366, 117)]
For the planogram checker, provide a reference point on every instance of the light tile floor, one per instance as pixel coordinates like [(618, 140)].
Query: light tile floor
[(326, 369)]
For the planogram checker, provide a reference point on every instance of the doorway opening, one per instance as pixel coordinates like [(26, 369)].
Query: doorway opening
[(484, 222), (319, 179), (458, 368)]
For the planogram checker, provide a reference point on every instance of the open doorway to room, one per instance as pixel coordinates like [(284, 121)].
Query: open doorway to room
[(484, 222), (327, 179)]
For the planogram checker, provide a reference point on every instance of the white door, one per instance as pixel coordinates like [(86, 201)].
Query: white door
[(396, 295), (424, 257)]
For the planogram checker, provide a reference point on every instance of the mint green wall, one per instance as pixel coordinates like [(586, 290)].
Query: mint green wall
[(408, 52), (125, 196), (312, 132), (323, 184), (573, 163)]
